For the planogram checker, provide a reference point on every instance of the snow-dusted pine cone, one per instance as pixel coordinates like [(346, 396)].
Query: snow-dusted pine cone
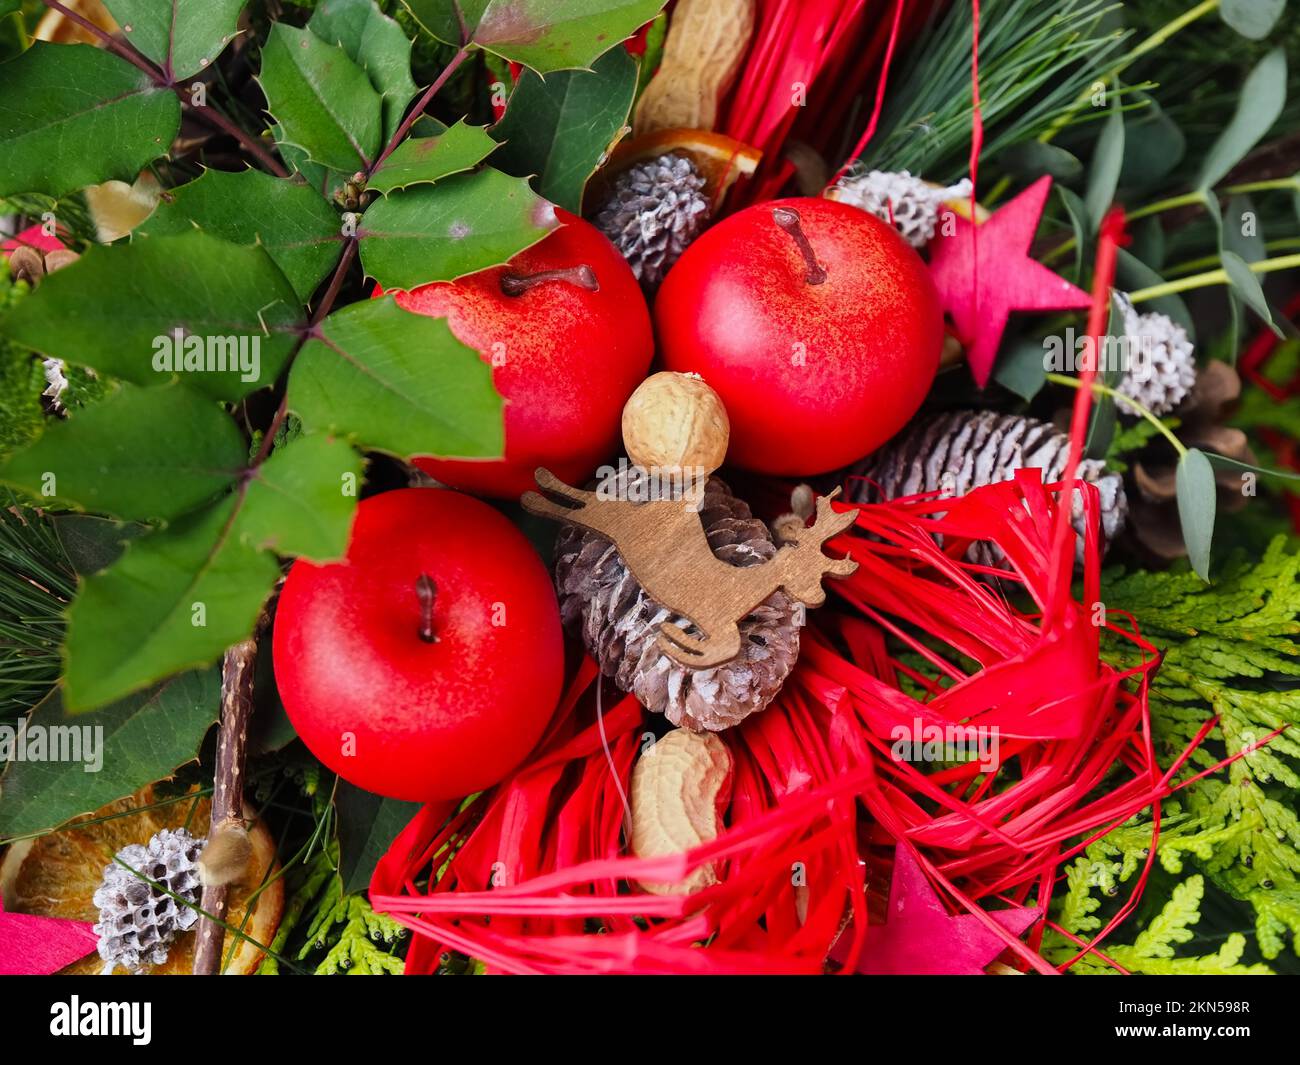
[(1163, 372), (908, 203), (653, 211), (138, 922), (960, 450), (619, 623)]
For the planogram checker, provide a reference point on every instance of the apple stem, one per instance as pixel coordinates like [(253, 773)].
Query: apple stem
[(426, 591), (788, 219), (583, 276)]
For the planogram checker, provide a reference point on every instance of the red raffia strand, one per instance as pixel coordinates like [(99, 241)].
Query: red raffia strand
[(522, 875), (878, 106)]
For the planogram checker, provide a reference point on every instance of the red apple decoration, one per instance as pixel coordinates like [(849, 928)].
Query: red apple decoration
[(427, 663), (566, 330), (816, 323)]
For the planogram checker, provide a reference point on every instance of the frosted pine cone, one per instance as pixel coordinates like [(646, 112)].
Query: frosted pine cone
[(909, 204), (960, 450), (619, 622), (1163, 372), (137, 921), (654, 210)]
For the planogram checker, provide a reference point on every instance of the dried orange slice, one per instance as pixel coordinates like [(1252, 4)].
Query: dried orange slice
[(57, 28), (722, 160), (56, 875)]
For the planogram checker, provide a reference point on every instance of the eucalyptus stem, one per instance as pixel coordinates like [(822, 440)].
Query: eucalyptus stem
[(1106, 390), (1212, 277)]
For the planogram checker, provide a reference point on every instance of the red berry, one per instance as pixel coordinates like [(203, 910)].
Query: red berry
[(564, 356), (814, 321), (386, 709)]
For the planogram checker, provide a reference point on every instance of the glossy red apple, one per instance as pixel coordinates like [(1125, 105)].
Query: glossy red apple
[(427, 663), (566, 330), (816, 323)]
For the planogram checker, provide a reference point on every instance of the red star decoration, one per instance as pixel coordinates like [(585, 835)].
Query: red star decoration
[(982, 280), (920, 937), (39, 946)]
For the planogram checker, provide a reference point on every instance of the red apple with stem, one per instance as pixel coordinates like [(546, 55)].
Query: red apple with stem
[(427, 663), (565, 328), (816, 323)]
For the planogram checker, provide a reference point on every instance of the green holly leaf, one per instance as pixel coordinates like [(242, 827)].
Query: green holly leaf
[(367, 826), (541, 34), (562, 127), (117, 309), (295, 225), (73, 115), (301, 500), (141, 454), (323, 102), (425, 160), (397, 382), (146, 736), (181, 36), (376, 44), (176, 599), (464, 224)]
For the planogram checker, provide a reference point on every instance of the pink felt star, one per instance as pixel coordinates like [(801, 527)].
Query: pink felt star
[(920, 937), (39, 946), (983, 276)]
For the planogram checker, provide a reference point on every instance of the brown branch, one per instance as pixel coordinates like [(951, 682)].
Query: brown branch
[(253, 145), (118, 48), (228, 794)]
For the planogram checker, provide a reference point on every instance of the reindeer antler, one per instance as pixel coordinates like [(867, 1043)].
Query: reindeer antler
[(829, 522)]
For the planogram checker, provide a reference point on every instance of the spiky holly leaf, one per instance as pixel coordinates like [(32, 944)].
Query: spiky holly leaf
[(367, 826), (181, 36), (323, 102), (397, 382), (425, 160), (147, 736), (541, 34), (562, 127), (463, 224), (295, 225), (140, 454), (376, 44), (113, 308), (73, 115)]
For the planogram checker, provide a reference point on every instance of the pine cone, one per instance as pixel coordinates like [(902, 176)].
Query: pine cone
[(653, 211), (907, 203), (1164, 372), (138, 922), (960, 450), (619, 622)]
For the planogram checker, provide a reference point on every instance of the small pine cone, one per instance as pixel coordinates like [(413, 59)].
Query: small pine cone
[(653, 211), (138, 922), (619, 622), (909, 204), (1163, 373), (960, 450)]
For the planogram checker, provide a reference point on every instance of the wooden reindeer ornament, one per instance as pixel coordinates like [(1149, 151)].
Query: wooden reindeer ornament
[(664, 546)]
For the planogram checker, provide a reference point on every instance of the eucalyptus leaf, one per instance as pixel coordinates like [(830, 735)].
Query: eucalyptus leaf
[(1133, 274), (1241, 232), (175, 600), (1197, 500), (1253, 19), (295, 225), (1022, 368), (1110, 372), (1247, 285), (1259, 103), (397, 382), (302, 499), (115, 308), (376, 44), (426, 160), (1030, 160), (1153, 145), (464, 224), (560, 128), (73, 115), (544, 35), (140, 454), (1077, 213), (1107, 159), (323, 102), (146, 736), (182, 36)]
